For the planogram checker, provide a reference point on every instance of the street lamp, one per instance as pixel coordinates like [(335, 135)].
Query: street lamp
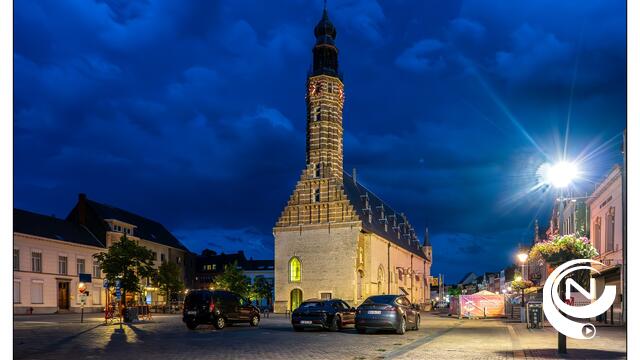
[(561, 175), (523, 257)]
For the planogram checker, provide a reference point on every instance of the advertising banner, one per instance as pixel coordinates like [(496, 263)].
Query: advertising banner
[(481, 305)]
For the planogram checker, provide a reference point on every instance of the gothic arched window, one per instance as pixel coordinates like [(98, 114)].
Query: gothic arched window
[(295, 269)]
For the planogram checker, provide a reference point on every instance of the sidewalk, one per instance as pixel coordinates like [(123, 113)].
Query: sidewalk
[(499, 339)]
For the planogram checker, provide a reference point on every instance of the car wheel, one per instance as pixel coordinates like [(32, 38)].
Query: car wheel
[(298, 328), (417, 327), (334, 323), (254, 320), (403, 326), (220, 323), (192, 325)]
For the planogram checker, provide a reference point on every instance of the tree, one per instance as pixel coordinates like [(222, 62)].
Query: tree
[(262, 289), (128, 262), (169, 279), (233, 279), (454, 291)]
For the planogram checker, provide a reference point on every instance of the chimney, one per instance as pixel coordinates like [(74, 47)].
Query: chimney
[(353, 175), (82, 208)]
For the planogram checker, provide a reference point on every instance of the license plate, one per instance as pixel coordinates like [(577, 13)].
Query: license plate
[(305, 322), (374, 312), (191, 312)]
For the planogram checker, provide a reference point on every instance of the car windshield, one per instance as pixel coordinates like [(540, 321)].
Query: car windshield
[(311, 304), (380, 299)]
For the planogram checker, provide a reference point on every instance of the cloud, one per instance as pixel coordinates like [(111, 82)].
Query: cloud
[(422, 56)]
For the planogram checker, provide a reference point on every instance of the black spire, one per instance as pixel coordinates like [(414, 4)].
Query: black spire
[(325, 52)]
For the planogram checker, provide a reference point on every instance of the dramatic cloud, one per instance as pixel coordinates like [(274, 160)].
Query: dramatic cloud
[(193, 113)]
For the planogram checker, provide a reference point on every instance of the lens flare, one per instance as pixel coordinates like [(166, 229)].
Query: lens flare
[(560, 174)]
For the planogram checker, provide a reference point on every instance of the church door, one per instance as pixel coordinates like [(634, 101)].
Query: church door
[(296, 299)]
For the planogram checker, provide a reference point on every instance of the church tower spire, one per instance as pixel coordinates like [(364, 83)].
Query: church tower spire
[(325, 100)]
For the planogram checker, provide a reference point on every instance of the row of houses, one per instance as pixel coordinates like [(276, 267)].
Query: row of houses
[(50, 254), (599, 216)]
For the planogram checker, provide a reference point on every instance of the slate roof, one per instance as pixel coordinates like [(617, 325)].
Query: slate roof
[(30, 223), (365, 202), (145, 228)]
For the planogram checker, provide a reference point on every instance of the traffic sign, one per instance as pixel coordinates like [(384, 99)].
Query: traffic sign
[(85, 278), (105, 283), (117, 283)]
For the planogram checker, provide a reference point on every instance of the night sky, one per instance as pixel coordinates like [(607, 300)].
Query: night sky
[(192, 113)]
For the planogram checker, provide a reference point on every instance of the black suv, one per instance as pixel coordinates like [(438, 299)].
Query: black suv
[(332, 315), (218, 308)]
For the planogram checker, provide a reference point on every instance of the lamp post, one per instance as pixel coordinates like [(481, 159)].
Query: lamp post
[(523, 258), (560, 175)]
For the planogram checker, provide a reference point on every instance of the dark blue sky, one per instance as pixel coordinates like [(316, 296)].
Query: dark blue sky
[(192, 112)]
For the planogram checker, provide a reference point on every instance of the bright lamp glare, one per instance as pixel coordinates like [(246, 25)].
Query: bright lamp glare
[(561, 174), (522, 257)]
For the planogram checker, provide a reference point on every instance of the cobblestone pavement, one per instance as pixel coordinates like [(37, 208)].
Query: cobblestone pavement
[(165, 337)]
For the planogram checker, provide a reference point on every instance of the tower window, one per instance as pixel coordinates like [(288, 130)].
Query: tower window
[(316, 195), (318, 170), (295, 270), (317, 116)]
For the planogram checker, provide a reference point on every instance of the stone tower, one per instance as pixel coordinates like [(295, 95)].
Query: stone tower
[(319, 197)]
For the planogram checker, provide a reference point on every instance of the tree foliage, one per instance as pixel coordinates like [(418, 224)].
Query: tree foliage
[(262, 289), (233, 279), (127, 261), (454, 291), (169, 279)]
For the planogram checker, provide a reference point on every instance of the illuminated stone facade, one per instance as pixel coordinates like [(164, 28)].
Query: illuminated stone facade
[(335, 238)]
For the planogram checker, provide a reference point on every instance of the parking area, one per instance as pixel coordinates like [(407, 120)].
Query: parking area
[(166, 337)]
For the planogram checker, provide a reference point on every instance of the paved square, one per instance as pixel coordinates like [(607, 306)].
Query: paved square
[(166, 337)]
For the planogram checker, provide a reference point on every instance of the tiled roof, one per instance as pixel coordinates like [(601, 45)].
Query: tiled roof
[(30, 223), (145, 228), (370, 207)]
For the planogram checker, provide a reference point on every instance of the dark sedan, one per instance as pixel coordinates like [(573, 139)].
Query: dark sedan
[(331, 315), (387, 312)]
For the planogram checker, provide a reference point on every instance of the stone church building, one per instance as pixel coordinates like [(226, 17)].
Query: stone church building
[(335, 238)]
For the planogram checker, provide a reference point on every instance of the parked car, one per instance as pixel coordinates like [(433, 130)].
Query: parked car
[(218, 308), (331, 315), (387, 312)]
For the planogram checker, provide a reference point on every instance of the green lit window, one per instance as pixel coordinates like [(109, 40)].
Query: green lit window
[(295, 269)]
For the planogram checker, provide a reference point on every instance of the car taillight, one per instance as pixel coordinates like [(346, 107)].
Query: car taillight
[(212, 307)]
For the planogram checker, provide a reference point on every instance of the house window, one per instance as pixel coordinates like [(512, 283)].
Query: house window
[(609, 229), (598, 234), (16, 259), (295, 270), (178, 260), (162, 258), (80, 266), (97, 272), (155, 255), (16, 292), (36, 292), (62, 265), (325, 296), (36, 261)]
